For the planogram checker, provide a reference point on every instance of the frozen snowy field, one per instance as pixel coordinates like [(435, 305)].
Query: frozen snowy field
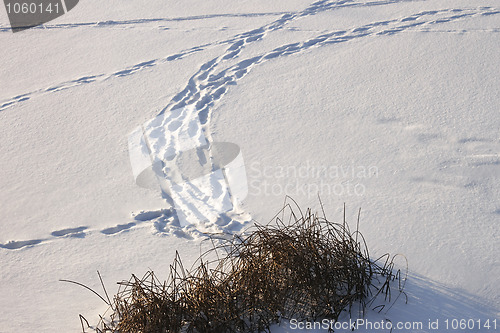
[(392, 106)]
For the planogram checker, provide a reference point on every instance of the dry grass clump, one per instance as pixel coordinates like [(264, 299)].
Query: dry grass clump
[(302, 266)]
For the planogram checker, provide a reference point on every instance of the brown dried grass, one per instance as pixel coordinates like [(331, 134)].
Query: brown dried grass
[(301, 266)]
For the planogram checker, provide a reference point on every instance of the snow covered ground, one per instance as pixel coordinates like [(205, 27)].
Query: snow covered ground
[(387, 105)]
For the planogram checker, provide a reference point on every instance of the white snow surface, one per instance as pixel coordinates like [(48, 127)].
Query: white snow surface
[(391, 106)]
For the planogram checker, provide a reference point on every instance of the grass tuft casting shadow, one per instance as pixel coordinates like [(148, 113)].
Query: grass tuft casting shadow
[(300, 266)]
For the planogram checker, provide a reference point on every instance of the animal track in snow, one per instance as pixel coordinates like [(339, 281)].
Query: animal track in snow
[(14, 245), (136, 22), (78, 232), (116, 229), (463, 160), (70, 232)]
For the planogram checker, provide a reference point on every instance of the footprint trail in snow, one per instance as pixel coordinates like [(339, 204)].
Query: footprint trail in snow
[(187, 116)]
